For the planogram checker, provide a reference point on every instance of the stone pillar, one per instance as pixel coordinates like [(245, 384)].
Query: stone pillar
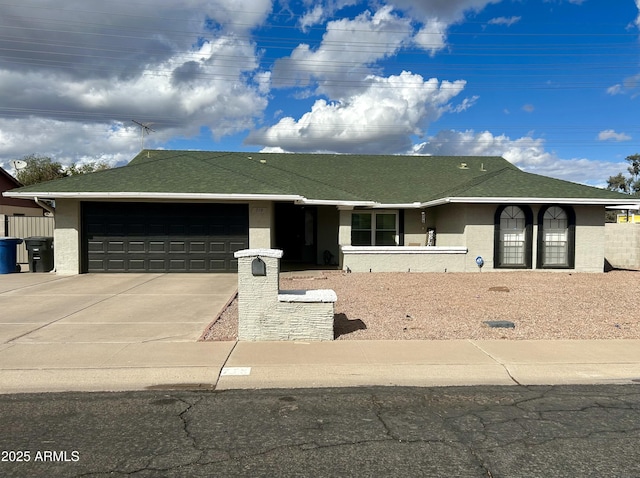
[(265, 313), (257, 295)]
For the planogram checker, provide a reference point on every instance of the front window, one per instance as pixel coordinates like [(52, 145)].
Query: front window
[(513, 237), (374, 229), (556, 237)]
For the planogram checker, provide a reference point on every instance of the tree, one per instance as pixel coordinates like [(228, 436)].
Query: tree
[(618, 183), (42, 168), (86, 168), (634, 171), (622, 183)]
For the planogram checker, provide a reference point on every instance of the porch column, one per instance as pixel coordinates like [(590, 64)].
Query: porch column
[(261, 225), (67, 237), (344, 230)]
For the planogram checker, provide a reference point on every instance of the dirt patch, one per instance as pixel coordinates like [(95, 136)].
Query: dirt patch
[(439, 306)]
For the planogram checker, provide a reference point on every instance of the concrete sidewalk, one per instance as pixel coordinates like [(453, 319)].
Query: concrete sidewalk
[(109, 332), (28, 367)]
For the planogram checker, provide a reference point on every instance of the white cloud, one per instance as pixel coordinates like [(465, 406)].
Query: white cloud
[(101, 70), (318, 12), (69, 142), (507, 21), (629, 85), (610, 134), (380, 119), (436, 18), (432, 36), (615, 90), (347, 50), (312, 17), (527, 152)]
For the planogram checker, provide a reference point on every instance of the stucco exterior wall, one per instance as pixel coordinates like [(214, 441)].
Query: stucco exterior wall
[(471, 226), (622, 245), (590, 238), (261, 224), (415, 232), (405, 259), (66, 237), (449, 221)]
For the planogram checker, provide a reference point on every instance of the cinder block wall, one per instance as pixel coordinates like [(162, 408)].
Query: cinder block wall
[(622, 245)]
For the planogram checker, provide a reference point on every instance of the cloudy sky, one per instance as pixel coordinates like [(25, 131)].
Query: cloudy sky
[(551, 85)]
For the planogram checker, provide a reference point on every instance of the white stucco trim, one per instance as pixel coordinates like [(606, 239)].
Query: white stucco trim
[(339, 204), (625, 206), (404, 250), (523, 200)]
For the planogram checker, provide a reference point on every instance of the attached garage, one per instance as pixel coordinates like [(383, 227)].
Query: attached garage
[(159, 237)]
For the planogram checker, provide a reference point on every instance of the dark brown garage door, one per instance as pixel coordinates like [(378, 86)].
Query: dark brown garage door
[(155, 237)]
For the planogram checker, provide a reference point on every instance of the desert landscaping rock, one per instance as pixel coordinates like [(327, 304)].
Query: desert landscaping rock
[(445, 306)]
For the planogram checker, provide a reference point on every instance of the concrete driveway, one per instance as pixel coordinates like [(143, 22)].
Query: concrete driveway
[(141, 329), (110, 308)]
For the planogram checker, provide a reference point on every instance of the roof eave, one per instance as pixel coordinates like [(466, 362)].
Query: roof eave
[(191, 196), (155, 195), (538, 200)]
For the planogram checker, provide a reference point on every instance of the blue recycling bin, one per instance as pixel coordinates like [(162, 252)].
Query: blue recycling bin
[(8, 254)]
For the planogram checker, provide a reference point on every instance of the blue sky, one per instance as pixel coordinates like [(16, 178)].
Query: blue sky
[(551, 85)]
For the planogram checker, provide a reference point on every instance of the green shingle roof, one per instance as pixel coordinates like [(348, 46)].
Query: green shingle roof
[(321, 177)]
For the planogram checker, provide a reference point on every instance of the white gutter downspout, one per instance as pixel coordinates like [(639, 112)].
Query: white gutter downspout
[(44, 206)]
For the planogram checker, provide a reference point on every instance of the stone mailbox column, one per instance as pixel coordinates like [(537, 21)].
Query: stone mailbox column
[(257, 294), (265, 313)]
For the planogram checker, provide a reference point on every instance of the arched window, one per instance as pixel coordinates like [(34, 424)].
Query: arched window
[(513, 230), (556, 237)]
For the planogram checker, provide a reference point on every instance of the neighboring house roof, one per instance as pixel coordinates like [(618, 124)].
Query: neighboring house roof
[(9, 183), (366, 180)]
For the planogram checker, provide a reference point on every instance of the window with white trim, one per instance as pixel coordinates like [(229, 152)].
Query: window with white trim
[(379, 228), (556, 237), (512, 236)]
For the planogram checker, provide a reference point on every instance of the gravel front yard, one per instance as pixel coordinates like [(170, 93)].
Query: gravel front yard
[(412, 306)]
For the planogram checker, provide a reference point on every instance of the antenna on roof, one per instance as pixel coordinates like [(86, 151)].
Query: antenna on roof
[(144, 128)]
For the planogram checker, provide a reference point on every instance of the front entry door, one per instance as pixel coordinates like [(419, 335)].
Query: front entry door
[(296, 232)]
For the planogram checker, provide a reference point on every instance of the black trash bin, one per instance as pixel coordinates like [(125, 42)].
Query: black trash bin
[(40, 251)]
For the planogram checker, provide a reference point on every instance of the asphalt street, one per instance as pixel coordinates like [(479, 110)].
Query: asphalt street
[(482, 431)]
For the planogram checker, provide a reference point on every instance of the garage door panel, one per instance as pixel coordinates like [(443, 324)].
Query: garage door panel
[(157, 265), (137, 265), (115, 246), (96, 246), (177, 246), (137, 237), (237, 246), (116, 265), (157, 247), (197, 247), (177, 265)]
